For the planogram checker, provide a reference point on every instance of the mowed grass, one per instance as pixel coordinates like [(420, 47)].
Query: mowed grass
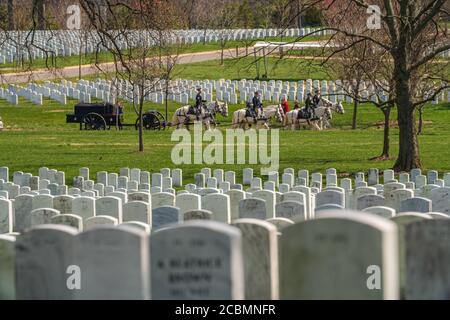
[(37, 136), (288, 69)]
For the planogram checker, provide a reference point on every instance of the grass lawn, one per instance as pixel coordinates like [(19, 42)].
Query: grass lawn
[(38, 136), (277, 69), (287, 69)]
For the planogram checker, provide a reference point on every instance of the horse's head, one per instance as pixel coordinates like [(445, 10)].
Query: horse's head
[(340, 108)]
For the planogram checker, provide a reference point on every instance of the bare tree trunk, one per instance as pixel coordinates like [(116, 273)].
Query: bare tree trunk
[(166, 94), (386, 134), (256, 64), (355, 103), (419, 130), (355, 113), (222, 48), (40, 10), (266, 68), (81, 55), (386, 142), (408, 154), (299, 14), (11, 15), (141, 126)]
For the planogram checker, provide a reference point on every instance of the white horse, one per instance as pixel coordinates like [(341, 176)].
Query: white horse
[(241, 119), (207, 115), (274, 111), (215, 108), (321, 109), (292, 121)]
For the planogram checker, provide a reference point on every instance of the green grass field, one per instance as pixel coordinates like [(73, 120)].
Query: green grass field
[(287, 69), (37, 136), (278, 69)]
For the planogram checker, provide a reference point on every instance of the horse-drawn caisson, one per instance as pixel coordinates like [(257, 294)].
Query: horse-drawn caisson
[(103, 116)]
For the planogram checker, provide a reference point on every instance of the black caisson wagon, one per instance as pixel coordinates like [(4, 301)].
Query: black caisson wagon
[(103, 116)]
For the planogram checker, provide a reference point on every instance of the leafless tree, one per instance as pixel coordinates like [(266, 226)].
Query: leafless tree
[(414, 35), (146, 29)]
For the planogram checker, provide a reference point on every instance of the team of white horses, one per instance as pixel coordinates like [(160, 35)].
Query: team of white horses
[(242, 118)]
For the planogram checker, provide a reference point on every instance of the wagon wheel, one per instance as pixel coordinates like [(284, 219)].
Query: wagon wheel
[(150, 121), (94, 121), (162, 120)]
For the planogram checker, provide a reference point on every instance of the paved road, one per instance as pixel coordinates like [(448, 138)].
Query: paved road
[(73, 72)]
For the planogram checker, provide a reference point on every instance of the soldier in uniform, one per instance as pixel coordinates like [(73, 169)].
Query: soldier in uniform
[(309, 105), (316, 98), (198, 103), (257, 105)]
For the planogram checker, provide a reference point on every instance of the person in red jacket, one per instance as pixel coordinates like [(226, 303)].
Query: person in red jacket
[(285, 105)]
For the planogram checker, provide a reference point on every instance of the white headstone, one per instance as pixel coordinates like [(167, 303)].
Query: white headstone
[(43, 255), (260, 252), (327, 258), (216, 246), (137, 211), (114, 264), (219, 205)]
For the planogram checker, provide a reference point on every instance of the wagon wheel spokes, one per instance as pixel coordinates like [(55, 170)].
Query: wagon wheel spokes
[(151, 122), (94, 121)]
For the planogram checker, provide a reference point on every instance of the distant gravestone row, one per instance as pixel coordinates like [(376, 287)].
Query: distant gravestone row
[(183, 91), (16, 45), (217, 240)]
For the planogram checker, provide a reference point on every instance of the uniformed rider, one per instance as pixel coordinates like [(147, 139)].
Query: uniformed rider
[(257, 105), (198, 102)]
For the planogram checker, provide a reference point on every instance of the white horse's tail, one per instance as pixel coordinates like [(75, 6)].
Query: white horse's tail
[(286, 119)]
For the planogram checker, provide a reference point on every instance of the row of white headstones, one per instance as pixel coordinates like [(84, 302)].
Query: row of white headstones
[(68, 43), (183, 91), (127, 238)]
